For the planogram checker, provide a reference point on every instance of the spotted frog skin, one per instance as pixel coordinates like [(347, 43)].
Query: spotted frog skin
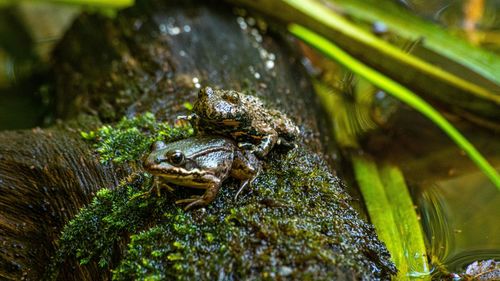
[(201, 162), (244, 118)]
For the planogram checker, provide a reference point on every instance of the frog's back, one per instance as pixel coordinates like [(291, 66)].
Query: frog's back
[(282, 124), (191, 146), (287, 129)]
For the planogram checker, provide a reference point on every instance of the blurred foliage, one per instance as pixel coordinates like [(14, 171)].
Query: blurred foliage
[(89, 3), (474, 91), (407, 25)]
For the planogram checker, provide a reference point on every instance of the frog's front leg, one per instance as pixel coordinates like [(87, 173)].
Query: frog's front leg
[(203, 200), (158, 185), (191, 117), (266, 144), (286, 143)]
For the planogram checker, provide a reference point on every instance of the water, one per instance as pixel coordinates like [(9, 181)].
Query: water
[(458, 205), (461, 219)]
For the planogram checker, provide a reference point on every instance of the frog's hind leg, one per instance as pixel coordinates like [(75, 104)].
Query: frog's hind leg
[(246, 167), (242, 186)]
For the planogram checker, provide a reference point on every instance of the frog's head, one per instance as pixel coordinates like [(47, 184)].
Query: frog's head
[(163, 160), (187, 162), (170, 163), (219, 105)]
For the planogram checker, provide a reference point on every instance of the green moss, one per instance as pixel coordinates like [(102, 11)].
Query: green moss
[(293, 223), (187, 105), (131, 137)]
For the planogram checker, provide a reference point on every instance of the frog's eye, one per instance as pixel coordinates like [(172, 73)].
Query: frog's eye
[(232, 97), (176, 157), (209, 91), (157, 145)]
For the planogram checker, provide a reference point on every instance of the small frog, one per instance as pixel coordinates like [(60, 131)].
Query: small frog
[(244, 118), (201, 162)]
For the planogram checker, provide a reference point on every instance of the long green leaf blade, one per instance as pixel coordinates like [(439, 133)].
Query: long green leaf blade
[(406, 218), (366, 173)]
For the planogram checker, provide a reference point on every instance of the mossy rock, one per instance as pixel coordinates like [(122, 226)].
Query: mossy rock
[(293, 223)]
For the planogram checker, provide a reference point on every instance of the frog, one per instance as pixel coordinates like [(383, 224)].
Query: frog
[(244, 118), (202, 162)]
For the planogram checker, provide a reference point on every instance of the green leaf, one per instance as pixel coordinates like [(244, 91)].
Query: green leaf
[(385, 194)]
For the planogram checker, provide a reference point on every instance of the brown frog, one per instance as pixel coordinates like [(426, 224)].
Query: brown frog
[(244, 118), (201, 162)]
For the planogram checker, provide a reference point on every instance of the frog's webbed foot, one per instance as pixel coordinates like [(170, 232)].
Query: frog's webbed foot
[(189, 117), (247, 146), (194, 202), (289, 144), (247, 182), (200, 201), (158, 185)]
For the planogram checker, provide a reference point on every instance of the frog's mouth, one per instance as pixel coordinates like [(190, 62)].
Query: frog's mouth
[(224, 122), (195, 178), (231, 122)]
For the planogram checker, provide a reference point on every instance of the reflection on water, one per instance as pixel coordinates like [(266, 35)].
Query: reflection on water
[(458, 205), (461, 220)]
